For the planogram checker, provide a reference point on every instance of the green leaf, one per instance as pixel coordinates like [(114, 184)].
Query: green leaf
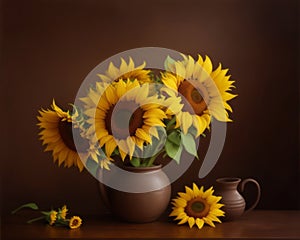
[(171, 123), (144, 164), (189, 144), (174, 137), (27, 205), (115, 152), (157, 144), (192, 130), (92, 166), (178, 155), (136, 162), (173, 150)]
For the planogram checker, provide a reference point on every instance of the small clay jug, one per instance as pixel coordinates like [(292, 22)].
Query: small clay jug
[(234, 203)]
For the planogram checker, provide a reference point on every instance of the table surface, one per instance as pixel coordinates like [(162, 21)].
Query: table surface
[(254, 225)]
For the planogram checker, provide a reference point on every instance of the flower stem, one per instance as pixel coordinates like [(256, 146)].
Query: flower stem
[(35, 219), (152, 159), (170, 123)]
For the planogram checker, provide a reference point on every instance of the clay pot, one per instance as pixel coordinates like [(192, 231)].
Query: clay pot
[(234, 203), (133, 204)]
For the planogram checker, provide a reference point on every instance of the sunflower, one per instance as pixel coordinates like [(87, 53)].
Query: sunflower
[(75, 222), (197, 206), (62, 213), (98, 158), (105, 162), (52, 217), (123, 116), (57, 133), (204, 92), (126, 71)]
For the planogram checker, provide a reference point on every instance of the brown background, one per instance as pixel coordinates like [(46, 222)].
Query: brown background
[(49, 46)]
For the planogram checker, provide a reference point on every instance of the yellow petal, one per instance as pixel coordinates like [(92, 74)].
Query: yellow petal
[(189, 191), (191, 221), (170, 81), (179, 202), (186, 121), (207, 65), (199, 223), (131, 146), (123, 146), (185, 196), (155, 113), (154, 122), (189, 67), (208, 192), (200, 59), (110, 146), (143, 135), (209, 222), (121, 89), (212, 217), (104, 77), (123, 66), (122, 154), (176, 212), (111, 95), (213, 199), (196, 190), (113, 72), (218, 212), (180, 70), (184, 220)]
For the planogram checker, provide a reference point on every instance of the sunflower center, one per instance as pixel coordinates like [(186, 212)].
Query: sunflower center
[(197, 208), (68, 134), (121, 121), (75, 222), (195, 97)]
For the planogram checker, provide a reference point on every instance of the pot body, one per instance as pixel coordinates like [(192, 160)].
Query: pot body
[(127, 195)]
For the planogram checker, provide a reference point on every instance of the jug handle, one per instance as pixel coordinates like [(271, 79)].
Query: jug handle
[(242, 187)]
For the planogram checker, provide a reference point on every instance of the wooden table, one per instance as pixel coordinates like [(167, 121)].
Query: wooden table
[(255, 225)]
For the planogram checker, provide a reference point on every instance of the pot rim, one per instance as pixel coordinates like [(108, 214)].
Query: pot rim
[(141, 169)]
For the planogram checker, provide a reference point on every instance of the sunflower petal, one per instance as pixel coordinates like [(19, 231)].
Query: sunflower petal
[(209, 222), (179, 202), (183, 220), (191, 221), (186, 121), (199, 223)]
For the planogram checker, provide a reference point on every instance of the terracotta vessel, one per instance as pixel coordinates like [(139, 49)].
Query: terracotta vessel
[(234, 203), (138, 207)]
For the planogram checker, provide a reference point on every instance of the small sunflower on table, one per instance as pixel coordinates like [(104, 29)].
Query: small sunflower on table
[(196, 206), (53, 217), (179, 103)]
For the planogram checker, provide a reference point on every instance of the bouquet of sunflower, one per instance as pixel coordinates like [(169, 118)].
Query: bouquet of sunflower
[(136, 114)]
